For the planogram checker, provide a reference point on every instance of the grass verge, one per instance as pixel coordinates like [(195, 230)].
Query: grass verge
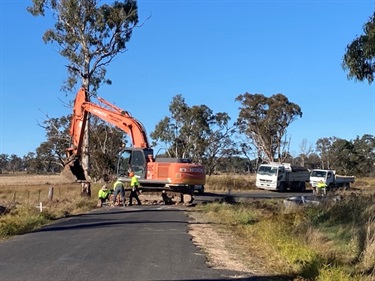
[(26, 216), (331, 241)]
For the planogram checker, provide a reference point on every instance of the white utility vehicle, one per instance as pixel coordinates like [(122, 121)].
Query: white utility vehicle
[(330, 178), (281, 176)]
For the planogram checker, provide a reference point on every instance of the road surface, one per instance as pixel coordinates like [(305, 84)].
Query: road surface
[(131, 243), (248, 195), (114, 243)]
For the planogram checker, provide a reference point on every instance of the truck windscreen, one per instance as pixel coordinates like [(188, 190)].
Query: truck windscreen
[(267, 170)]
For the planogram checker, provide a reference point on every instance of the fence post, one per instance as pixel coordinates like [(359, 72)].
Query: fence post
[(50, 193), (86, 189), (14, 197)]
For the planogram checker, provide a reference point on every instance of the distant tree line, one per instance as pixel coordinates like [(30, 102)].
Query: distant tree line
[(209, 138)]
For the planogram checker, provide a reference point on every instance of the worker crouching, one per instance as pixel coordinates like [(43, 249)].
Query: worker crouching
[(103, 195)]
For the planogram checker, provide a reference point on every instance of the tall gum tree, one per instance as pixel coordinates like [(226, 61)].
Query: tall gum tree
[(359, 58), (89, 36), (265, 121)]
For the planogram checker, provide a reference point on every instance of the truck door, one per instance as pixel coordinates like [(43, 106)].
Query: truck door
[(329, 178)]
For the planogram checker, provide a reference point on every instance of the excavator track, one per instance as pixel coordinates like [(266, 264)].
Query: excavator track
[(166, 197), (162, 197)]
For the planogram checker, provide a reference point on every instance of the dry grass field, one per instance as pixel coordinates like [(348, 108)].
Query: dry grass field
[(24, 179), (30, 190)]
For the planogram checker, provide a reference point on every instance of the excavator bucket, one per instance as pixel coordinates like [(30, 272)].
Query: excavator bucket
[(73, 170)]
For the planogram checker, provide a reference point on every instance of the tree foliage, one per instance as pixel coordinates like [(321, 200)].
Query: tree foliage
[(265, 121), (356, 157), (90, 37), (359, 58), (196, 133), (363, 155), (49, 157), (107, 142)]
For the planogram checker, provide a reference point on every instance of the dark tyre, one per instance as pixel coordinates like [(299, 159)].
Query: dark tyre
[(201, 191), (282, 187), (302, 186)]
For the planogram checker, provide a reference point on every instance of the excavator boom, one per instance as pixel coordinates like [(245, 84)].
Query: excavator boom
[(113, 115)]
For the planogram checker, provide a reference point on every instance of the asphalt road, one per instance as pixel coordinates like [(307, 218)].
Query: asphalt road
[(120, 243), (131, 243), (248, 195)]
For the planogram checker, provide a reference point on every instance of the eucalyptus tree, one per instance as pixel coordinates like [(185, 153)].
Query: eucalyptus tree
[(342, 156), (265, 121), (196, 133), (312, 161), (106, 141), (57, 140), (364, 155), (359, 58), (4, 160), (32, 164), (15, 163), (323, 147), (89, 36), (305, 151), (336, 154)]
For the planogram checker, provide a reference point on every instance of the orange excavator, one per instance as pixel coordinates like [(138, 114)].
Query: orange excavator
[(176, 175)]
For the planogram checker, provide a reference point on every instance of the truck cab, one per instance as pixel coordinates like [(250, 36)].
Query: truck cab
[(330, 178), (281, 176)]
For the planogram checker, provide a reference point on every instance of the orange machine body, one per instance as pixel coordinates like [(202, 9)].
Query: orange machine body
[(155, 172)]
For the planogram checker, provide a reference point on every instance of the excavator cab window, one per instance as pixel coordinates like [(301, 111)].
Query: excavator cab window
[(132, 160), (123, 167), (138, 163)]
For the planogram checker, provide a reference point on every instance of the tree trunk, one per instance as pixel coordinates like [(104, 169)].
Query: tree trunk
[(85, 158)]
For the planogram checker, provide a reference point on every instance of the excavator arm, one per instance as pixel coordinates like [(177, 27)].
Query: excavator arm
[(112, 114)]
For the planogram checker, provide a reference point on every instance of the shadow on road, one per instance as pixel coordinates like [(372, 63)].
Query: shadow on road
[(106, 219)]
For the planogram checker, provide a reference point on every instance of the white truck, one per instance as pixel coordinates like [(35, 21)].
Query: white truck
[(330, 178), (281, 176)]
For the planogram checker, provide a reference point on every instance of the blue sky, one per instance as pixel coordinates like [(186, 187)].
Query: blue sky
[(208, 51)]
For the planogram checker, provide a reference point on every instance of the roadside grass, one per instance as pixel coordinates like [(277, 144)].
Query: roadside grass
[(228, 183), (25, 202), (333, 241)]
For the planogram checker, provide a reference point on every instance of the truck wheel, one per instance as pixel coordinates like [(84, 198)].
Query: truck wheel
[(201, 191), (302, 186), (282, 187)]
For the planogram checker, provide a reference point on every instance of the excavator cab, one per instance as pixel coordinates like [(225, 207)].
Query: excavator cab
[(133, 159)]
